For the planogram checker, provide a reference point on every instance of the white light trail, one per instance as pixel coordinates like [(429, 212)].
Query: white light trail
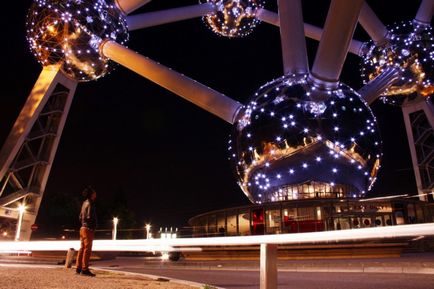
[(98, 245), (384, 198), (169, 245)]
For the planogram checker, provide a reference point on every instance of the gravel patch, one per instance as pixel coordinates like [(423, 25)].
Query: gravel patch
[(59, 278)]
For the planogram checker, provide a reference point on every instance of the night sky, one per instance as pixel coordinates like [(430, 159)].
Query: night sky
[(126, 134)]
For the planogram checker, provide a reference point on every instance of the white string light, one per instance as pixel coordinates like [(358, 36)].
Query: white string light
[(307, 144), (70, 33), (233, 18), (409, 46)]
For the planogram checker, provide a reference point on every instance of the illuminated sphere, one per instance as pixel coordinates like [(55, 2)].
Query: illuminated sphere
[(410, 47), (292, 141), (69, 33), (233, 18)]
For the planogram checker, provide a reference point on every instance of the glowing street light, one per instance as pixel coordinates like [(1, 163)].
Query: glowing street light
[(165, 256), (148, 229), (115, 228), (21, 210)]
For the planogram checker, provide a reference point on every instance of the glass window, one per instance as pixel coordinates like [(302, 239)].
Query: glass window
[(244, 223), (419, 214), (305, 214), (428, 212), (399, 217), (273, 220), (196, 228), (318, 212), (221, 224), (201, 226), (231, 223), (320, 223), (212, 225), (307, 219), (411, 214), (342, 224), (289, 220), (258, 221)]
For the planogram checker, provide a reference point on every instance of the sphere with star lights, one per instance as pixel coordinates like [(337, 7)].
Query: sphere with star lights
[(294, 141), (69, 33), (409, 47), (233, 18)]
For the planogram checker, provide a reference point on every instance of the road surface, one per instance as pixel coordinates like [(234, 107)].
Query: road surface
[(249, 278)]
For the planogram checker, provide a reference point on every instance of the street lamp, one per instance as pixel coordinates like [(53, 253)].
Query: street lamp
[(148, 229), (115, 228), (21, 210)]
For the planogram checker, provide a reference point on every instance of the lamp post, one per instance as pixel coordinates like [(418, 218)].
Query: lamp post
[(148, 229), (21, 209), (115, 228)]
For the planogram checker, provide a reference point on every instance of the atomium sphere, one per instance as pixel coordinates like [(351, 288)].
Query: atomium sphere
[(410, 47), (69, 33), (292, 141), (233, 18)]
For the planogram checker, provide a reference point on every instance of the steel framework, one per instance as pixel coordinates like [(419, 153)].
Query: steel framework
[(28, 153), (27, 156)]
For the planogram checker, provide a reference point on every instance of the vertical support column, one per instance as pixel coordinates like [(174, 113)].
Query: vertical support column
[(28, 153), (310, 31), (268, 266), (425, 12), (372, 25), (335, 41), (292, 37), (419, 124)]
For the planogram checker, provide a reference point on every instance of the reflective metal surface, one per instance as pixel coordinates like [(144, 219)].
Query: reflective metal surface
[(70, 32), (233, 18), (409, 47), (292, 141)]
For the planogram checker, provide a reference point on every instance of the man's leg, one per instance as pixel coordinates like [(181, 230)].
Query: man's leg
[(88, 240), (79, 262)]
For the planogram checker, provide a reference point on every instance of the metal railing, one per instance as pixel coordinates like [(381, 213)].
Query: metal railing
[(268, 244)]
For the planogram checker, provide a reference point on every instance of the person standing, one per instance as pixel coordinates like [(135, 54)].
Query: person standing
[(88, 221)]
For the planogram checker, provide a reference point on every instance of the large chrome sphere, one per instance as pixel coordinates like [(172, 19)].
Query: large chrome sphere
[(410, 47), (69, 32), (292, 141), (233, 18)]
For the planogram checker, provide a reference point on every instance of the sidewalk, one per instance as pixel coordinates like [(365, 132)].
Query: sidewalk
[(41, 277)]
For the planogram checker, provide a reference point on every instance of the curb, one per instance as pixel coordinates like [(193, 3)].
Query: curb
[(370, 269), (157, 278), (333, 269)]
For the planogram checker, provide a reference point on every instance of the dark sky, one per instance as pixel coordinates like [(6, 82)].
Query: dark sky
[(127, 134)]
